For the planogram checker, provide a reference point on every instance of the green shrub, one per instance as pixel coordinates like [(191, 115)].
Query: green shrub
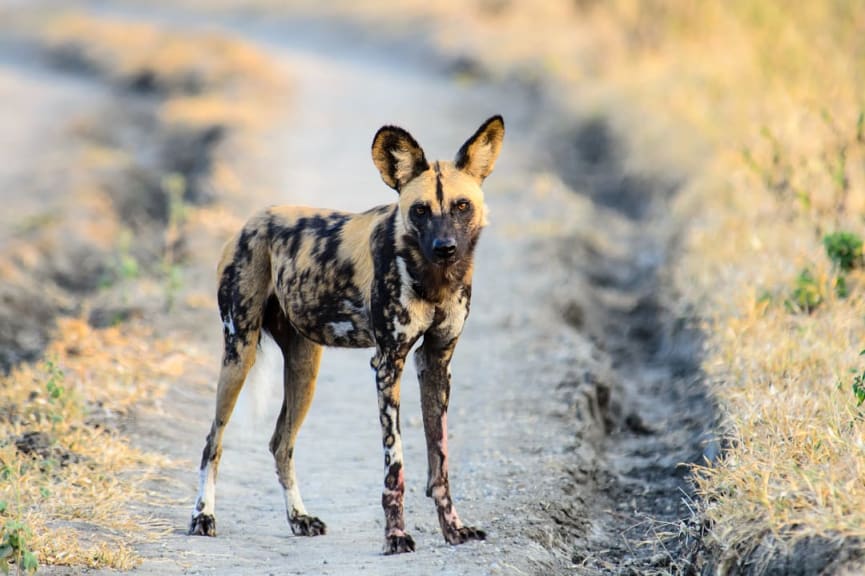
[(844, 249), (807, 293), (14, 549), (859, 384)]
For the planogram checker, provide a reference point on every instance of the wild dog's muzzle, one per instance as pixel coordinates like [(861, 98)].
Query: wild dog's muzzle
[(441, 241), (444, 248)]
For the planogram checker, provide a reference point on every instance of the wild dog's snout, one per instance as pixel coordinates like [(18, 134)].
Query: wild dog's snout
[(442, 240), (445, 247)]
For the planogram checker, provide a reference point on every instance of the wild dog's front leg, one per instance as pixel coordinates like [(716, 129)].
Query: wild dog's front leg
[(433, 368), (388, 369)]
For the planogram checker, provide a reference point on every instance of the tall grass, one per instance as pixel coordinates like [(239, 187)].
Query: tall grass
[(789, 171)]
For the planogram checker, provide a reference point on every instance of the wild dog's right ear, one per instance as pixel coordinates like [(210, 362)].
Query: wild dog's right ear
[(477, 157), (397, 156)]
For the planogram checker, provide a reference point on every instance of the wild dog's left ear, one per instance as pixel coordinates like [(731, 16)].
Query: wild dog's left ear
[(397, 156), (478, 155)]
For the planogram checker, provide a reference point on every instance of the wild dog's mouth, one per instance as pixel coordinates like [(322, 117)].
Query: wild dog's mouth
[(443, 257), (445, 261)]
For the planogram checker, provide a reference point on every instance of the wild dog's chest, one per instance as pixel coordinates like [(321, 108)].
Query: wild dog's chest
[(327, 307), (400, 313)]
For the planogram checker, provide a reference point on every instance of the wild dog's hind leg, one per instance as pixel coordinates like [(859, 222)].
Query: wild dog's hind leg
[(301, 360), (231, 378), (433, 368), (244, 280)]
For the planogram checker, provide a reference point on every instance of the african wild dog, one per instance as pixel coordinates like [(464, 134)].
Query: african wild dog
[(383, 278)]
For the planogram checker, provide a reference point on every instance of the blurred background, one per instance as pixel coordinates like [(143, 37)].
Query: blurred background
[(669, 163)]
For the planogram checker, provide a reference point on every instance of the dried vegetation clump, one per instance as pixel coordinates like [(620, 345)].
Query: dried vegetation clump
[(68, 472), (205, 78)]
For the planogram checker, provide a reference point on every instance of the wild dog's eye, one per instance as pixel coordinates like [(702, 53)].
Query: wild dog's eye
[(419, 209), (463, 205)]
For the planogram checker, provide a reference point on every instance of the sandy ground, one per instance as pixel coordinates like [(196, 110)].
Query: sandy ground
[(574, 396)]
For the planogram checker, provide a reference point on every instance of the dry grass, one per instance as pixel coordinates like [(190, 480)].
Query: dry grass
[(776, 90), (73, 484), (201, 76), (208, 77), (787, 168)]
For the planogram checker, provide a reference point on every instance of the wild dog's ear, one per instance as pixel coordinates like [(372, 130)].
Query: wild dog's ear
[(397, 156), (478, 155)]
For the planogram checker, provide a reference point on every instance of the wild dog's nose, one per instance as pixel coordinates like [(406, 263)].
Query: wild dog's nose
[(444, 247)]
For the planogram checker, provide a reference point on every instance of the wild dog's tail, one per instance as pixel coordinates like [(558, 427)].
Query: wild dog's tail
[(256, 409)]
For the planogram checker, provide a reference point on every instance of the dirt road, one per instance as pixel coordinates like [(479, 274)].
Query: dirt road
[(509, 361), (552, 451)]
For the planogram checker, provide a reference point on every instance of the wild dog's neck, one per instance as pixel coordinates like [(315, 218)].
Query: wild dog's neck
[(433, 282)]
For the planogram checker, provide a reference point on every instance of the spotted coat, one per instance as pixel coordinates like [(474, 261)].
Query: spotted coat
[(384, 279)]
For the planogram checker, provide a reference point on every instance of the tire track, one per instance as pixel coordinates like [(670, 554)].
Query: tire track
[(660, 416)]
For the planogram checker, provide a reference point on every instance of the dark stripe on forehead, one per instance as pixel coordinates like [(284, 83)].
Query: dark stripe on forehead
[(440, 192)]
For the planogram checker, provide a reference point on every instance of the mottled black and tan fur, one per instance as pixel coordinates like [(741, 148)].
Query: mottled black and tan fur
[(384, 278)]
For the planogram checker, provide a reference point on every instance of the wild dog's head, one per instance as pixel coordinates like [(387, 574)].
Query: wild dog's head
[(441, 204)]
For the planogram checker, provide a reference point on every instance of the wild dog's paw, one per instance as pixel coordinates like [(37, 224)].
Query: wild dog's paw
[(304, 525), (203, 525), (463, 534), (398, 543)]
